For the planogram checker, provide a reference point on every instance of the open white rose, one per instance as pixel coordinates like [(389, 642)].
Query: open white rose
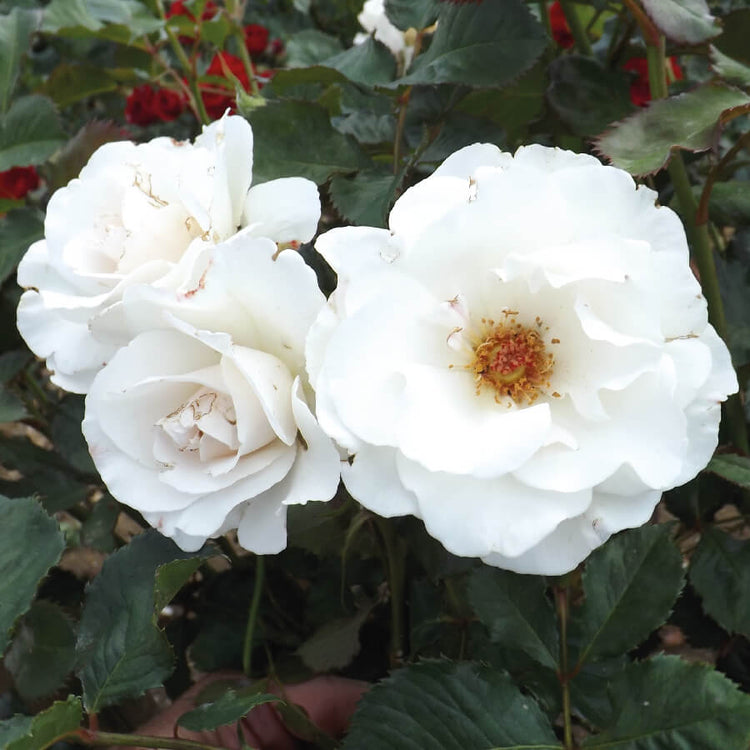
[(203, 421), (523, 360), (137, 214)]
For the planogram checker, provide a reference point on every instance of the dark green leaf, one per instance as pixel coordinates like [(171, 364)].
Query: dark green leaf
[(14, 728), (585, 95), (411, 14), (334, 644), (364, 199), (630, 585), (720, 573), (47, 727), (24, 526), (730, 70), (15, 30), (589, 690), (70, 83), (641, 144), (485, 44), (216, 30), (316, 527), (316, 151), (369, 63), (512, 107), (97, 530), (67, 437), (367, 127), (44, 474), (18, 229), (42, 653), (448, 706), (101, 17), (62, 14), (227, 709), (459, 130), (121, 651), (686, 21), (666, 702), (729, 204), (733, 40), (11, 363), (733, 468), (310, 47), (517, 612), (11, 407), (29, 132)]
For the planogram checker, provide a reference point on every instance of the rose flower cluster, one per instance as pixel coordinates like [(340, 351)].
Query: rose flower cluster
[(522, 360)]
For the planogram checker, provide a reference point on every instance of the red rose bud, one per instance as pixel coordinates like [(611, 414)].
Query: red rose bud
[(15, 183), (559, 26), (640, 89), (256, 39), (139, 106)]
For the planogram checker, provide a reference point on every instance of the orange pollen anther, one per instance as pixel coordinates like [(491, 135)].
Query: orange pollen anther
[(512, 360)]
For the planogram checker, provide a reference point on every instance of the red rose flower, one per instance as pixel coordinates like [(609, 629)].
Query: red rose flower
[(217, 102), (559, 26), (168, 104), (640, 89), (256, 39), (145, 105), (139, 106), (15, 183)]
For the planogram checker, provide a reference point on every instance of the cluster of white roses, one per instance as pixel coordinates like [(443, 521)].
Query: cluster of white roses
[(523, 359)]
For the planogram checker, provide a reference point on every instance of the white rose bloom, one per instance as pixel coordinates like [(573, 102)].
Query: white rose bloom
[(131, 216), (203, 421), (523, 361), (373, 19)]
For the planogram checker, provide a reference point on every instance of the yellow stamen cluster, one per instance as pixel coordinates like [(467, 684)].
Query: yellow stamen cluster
[(513, 361)]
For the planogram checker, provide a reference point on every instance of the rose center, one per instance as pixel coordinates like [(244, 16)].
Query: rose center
[(207, 413), (513, 361)]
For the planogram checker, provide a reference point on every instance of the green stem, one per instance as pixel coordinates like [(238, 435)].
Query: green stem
[(187, 66), (576, 27), (239, 34), (700, 243), (561, 600), (252, 616), (87, 737), (394, 557)]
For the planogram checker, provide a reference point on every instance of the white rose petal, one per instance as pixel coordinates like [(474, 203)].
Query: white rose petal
[(143, 214), (523, 361), (203, 422)]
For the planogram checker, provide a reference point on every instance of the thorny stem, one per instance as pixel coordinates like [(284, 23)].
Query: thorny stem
[(576, 27), (252, 616), (95, 738), (700, 242), (394, 557), (561, 600)]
